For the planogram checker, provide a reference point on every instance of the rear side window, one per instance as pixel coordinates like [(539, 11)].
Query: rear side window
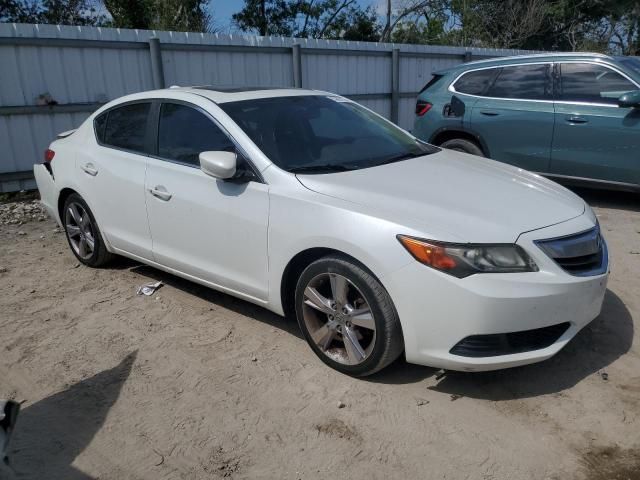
[(586, 82), (528, 82), (127, 127), (99, 124), (431, 83), (185, 132), (476, 83)]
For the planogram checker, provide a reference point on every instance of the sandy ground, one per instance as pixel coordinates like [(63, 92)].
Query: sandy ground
[(191, 384)]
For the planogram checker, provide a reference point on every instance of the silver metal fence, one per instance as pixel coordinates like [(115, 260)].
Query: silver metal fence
[(52, 77)]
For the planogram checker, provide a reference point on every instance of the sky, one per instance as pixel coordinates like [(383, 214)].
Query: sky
[(223, 9)]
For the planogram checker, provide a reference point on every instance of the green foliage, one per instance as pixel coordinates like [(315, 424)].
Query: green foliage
[(59, 12), (570, 25), (309, 19), (176, 15)]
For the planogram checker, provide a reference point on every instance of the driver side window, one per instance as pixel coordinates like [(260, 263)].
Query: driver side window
[(184, 132), (587, 82)]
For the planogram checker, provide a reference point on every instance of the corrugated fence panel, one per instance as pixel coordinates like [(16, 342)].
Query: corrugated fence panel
[(82, 67)]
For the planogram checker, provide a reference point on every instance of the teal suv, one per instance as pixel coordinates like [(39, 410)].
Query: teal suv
[(572, 117)]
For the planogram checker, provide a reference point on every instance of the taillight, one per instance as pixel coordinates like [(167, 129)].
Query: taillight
[(422, 107), (48, 155)]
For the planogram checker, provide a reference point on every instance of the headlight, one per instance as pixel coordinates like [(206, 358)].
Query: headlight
[(464, 259)]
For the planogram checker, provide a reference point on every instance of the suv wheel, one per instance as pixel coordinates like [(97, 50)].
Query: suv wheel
[(462, 145)]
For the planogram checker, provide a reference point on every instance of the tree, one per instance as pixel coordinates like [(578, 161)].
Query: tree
[(19, 11), (177, 15), (308, 19), (58, 12)]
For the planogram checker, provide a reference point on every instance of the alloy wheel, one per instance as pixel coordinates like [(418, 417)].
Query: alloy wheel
[(339, 319), (79, 230)]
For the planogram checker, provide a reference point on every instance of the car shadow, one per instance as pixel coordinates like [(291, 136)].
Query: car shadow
[(51, 433), (628, 201), (592, 350), (224, 300)]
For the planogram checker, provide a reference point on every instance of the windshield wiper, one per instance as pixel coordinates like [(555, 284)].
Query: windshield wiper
[(399, 158), (327, 168)]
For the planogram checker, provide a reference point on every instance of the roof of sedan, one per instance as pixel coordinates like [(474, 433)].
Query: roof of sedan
[(233, 94)]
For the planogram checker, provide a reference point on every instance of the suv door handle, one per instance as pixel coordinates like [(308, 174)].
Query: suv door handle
[(160, 192), (576, 119), (89, 169), (488, 113)]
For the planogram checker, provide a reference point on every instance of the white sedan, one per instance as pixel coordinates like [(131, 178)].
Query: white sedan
[(313, 206)]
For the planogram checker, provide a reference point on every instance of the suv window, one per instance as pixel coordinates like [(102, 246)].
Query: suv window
[(127, 127), (185, 132), (587, 82), (527, 82), (476, 83)]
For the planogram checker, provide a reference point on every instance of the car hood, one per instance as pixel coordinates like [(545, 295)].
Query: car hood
[(454, 195)]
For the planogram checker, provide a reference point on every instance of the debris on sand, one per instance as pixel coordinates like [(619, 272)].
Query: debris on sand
[(149, 289)]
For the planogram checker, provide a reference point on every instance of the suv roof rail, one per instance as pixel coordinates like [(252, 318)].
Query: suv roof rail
[(540, 55)]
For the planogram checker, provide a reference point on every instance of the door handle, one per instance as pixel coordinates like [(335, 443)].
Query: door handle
[(89, 169), (160, 192), (576, 119), (488, 113)]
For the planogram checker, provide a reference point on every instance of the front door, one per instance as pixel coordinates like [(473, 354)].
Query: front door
[(594, 138), (515, 116), (211, 229)]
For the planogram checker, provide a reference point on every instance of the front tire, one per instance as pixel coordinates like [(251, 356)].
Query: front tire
[(347, 316), (82, 232), (462, 145)]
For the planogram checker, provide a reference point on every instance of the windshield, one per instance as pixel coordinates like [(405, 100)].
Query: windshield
[(319, 134), (631, 62)]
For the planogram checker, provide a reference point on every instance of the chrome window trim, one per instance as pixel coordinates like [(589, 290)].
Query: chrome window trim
[(452, 89)]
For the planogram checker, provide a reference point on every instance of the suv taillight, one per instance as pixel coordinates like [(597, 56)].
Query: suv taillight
[(422, 107), (48, 155)]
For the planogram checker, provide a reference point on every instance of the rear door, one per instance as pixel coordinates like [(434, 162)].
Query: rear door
[(212, 229), (594, 138), (514, 116), (112, 176)]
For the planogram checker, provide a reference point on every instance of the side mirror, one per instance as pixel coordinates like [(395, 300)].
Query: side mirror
[(630, 99), (220, 165)]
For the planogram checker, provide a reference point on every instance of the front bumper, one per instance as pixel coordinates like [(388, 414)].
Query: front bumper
[(437, 310)]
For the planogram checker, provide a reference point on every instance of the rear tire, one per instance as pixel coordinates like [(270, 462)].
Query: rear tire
[(462, 145), (82, 232), (347, 316)]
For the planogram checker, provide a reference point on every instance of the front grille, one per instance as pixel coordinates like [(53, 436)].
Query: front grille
[(497, 344), (582, 254)]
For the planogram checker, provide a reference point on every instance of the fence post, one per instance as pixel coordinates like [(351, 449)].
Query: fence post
[(467, 56), (395, 84), (157, 72), (297, 65)]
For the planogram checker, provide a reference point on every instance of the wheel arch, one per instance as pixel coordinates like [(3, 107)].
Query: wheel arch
[(62, 198), (296, 266), (444, 134)]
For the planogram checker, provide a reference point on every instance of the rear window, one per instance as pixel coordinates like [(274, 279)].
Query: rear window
[(127, 127), (476, 83), (434, 79)]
